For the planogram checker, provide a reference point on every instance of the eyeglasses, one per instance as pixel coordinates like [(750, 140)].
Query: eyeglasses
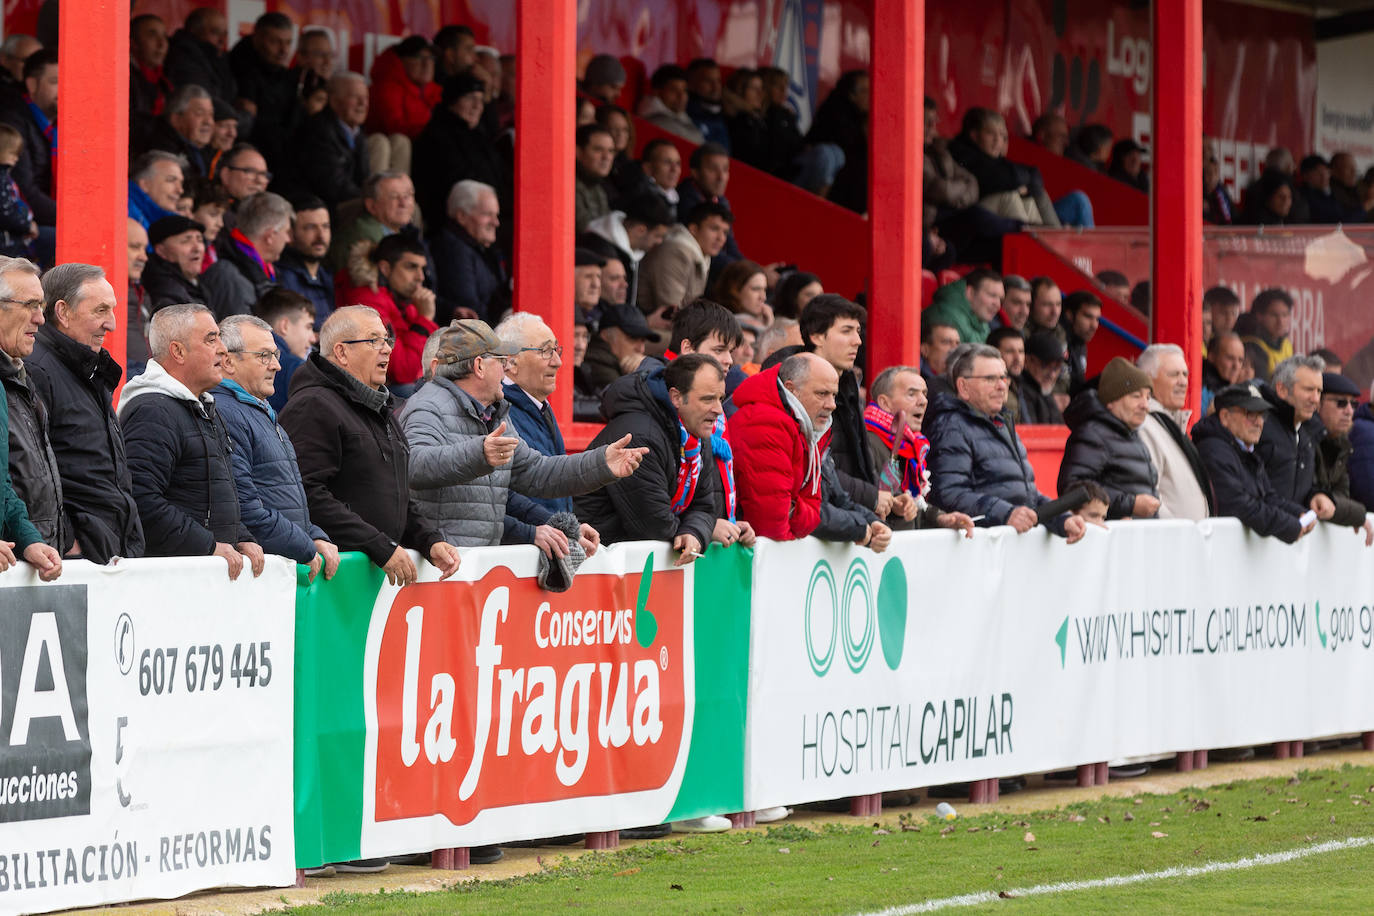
[(33, 305), (266, 357), (992, 378), (1343, 403), (545, 353), (376, 343), (256, 173), (503, 360)]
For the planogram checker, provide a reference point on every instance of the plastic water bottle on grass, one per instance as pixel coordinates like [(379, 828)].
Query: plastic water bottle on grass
[(945, 811)]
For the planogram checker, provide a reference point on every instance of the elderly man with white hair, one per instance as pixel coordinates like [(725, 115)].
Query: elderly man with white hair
[(246, 268), (471, 275), (328, 153), (1184, 488)]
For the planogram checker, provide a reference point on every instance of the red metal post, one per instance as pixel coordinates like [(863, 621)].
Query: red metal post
[(1176, 188), (546, 45), (93, 149), (894, 182)]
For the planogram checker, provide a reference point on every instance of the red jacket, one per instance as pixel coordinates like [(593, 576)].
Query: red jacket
[(397, 104), (405, 321), (775, 495)]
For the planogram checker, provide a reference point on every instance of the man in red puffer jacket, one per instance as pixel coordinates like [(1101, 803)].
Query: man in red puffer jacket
[(404, 92)]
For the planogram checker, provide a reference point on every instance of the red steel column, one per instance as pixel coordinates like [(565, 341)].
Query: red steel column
[(895, 120), (93, 144), (1176, 185), (546, 46)]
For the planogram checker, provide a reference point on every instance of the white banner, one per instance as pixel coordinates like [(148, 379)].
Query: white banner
[(145, 731), (945, 660), (1345, 112)]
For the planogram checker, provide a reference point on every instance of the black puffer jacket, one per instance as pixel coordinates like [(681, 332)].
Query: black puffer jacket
[(1333, 478), (639, 507), (167, 285), (1242, 485), (842, 519), (1103, 449), (33, 467), (179, 461), (324, 162), (1289, 454), (76, 383), (190, 60)]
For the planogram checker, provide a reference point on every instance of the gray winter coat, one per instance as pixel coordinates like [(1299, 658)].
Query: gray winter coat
[(451, 481)]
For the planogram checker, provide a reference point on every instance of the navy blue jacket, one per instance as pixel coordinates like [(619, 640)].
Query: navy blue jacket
[(529, 423), (1362, 456), (1242, 485), (271, 496), (468, 276), (291, 273)]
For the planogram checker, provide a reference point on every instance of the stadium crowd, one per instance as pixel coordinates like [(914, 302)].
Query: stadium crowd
[(323, 355)]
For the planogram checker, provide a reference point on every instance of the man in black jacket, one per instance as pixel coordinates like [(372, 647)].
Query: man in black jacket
[(75, 377), (1044, 365), (1104, 443), (673, 495), (1227, 440), (328, 155), (195, 54), (34, 115), (266, 88), (470, 270), (246, 268), (185, 128), (1082, 313), (352, 453), (1340, 397), (454, 146), (172, 274), (1292, 430), (178, 447)]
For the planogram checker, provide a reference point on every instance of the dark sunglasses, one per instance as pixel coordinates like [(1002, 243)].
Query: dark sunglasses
[(1343, 403)]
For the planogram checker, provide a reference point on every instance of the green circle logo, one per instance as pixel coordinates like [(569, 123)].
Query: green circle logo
[(820, 596), (892, 611), (857, 589)]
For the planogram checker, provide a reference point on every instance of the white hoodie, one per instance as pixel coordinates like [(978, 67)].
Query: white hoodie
[(656, 113), (611, 227), (156, 380)]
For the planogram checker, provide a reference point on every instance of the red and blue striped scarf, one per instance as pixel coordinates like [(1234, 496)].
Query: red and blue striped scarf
[(912, 451), (249, 250), (688, 469)]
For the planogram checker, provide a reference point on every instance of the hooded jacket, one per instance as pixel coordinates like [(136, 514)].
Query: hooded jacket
[(1184, 490), (179, 460), (673, 273), (271, 496), (1290, 454), (449, 476), (1103, 449), (607, 234), (354, 463), (777, 459), (77, 384), (661, 116), (167, 285), (399, 105), (639, 507), (32, 465), (1242, 485)]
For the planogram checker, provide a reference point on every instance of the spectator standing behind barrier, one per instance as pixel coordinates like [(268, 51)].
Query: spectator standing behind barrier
[(1226, 441), (184, 130), (271, 496), (1184, 490), (352, 453), (389, 278), (470, 270), (1012, 346), (76, 377), (1292, 430), (1265, 328), (673, 496), (301, 265), (676, 271), (328, 156), (245, 270), (466, 458), (1104, 443), (179, 452), (1340, 398), (290, 317), (172, 275), (978, 463)]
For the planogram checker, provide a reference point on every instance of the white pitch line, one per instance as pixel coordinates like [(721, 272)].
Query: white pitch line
[(1178, 871)]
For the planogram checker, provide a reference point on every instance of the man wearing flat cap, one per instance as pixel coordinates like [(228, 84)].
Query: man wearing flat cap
[(1045, 358), (618, 347), (1226, 441), (172, 275), (1104, 442), (465, 454), (1340, 397)]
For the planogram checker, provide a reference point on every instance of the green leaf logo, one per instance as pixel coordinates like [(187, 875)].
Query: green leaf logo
[(1318, 614), (892, 596), (1062, 640), (646, 624)]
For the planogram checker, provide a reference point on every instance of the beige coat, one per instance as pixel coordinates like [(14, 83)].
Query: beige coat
[(674, 273), (1180, 494)]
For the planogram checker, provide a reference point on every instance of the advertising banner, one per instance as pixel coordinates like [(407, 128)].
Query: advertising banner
[(1345, 115), (146, 739), (484, 709), (946, 660)]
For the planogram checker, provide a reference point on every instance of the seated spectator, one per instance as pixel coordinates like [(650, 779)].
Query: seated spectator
[(587, 267), (676, 271), (1012, 346), (951, 194), (604, 78), (17, 228), (781, 334), (172, 275), (1184, 490), (1345, 180), (389, 279), (209, 204), (242, 172), (465, 458), (179, 454), (75, 377), (667, 416), (780, 121), (665, 106), (1127, 165), (704, 95), (1047, 305), (1051, 131), (1082, 315), (595, 155), (328, 155), (1016, 305), (266, 88), (454, 146), (245, 269), (628, 235), (155, 186), (742, 102), (938, 340), (1105, 445), (1330, 358), (978, 464), (793, 291), (404, 91), (618, 348), (710, 175), (1226, 441), (195, 54), (1115, 283), (1221, 306), (1092, 147), (1269, 201), (352, 453), (14, 50), (899, 391), (291, 319), (184, 128), (586, 396), (388, 207), (1264, 329), (314, 67), (456, 50), (836, 165), (1288, 445), (968, 304), (1007, 188), (271, 495), (1045, 359), (1217, 206), (1225, 365), (1315, 189), (662, 165), (1340, 399), (742, 287), (34, 115), (471, 273), (301, 265), (139, 308)]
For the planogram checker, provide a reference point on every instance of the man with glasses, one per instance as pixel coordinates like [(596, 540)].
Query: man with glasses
[(352, 454), (1340, 397), (979, 466), (466, 455), (271, 496), (243, 173), (178, 448)]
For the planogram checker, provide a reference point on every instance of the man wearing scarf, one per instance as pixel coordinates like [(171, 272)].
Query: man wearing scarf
[(246, 268), (149, 87)]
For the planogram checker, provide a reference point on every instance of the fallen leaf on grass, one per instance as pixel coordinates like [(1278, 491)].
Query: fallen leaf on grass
[(626, 872), (1154, 823), (1005, 896), (675, 887), (1128, 816), (911, 827), (1104, 820), (881, 832), (974, 829), (1157, 835), (1029, 837), (876, 842), (1258, 817), (1077, 818), (947, 831)]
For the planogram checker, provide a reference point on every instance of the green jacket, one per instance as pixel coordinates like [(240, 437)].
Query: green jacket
[(951, 307), (17, 526)]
